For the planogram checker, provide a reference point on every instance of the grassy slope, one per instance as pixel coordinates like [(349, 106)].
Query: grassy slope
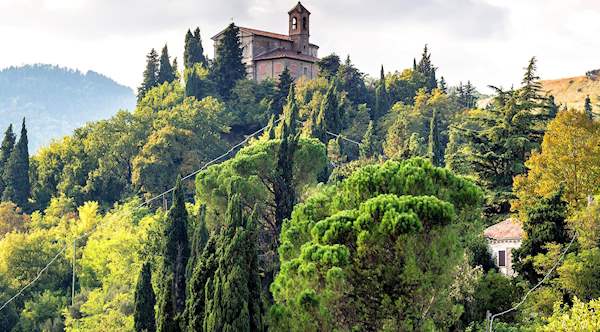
[(573, 90)]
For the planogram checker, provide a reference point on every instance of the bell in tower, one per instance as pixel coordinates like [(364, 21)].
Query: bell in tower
[(299, 28)]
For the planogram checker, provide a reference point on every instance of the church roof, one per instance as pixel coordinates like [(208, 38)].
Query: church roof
[(281, 53), (258, 33), (300, 7), (508, 229)]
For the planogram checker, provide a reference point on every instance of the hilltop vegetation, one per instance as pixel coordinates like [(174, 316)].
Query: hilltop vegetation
[(359, 206), (57, 100), (572, 91)]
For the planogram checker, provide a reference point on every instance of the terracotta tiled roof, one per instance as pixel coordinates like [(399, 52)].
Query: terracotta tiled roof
[(280, 53), (266, 34), (510, 228), (258, 33)]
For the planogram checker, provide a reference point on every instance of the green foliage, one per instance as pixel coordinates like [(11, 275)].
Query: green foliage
[(8, 143), (494, 293), (545, 223), (580, 317), (42, 313), (351, 80), (373, 246), (165, 70), (197, 83), (227, 67), (427, 70), (175, 258), (367, 145), (235, 304), (435, 149), (283, 89), (150, 78), (193, 52), (250, 105), (143, 314), (382, 102), (16, 173), (329, 66)]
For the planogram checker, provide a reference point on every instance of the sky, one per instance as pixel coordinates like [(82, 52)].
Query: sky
[(484, 41)]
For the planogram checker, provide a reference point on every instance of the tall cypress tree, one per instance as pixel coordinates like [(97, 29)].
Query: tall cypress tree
[(285, 195), (283, 89), (588, 107), (228, 67), (235, 304), (436, 153), (199, 239), (150, 79), (442, 85), (331, 110), (426, 68), (8, 144), (143, 313), (16, 172), (381, 97), (193, 51), (367, 145), (175, 257), (165, 70)]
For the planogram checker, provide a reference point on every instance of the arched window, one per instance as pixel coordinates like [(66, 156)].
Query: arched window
[(294, 23), (304, 23)]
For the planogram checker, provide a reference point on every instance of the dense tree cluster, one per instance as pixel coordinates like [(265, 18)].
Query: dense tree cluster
[(360, 207)]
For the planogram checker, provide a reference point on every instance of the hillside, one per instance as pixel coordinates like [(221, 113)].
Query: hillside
[(57, 100), (572, 91)]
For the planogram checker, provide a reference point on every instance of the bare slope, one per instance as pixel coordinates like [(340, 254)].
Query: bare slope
[(573, 90)]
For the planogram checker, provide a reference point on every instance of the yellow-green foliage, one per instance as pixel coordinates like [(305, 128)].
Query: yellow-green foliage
[(581, 317)]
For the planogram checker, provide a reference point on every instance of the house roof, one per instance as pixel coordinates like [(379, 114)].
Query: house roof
[(510, 228), (281, 53)]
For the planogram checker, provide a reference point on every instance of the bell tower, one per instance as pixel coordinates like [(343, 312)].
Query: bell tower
[(299, 28)]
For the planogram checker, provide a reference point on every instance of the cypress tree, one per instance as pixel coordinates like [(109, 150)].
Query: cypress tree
[(143, 313), (284, 186), (426, 68), (442, 85), (436, 153), (228, 67), (16, 172), (551, 107), (175, 257), (203, 271), (199, 239), (193, 51), (235, 303), (175, 67), (8, 144), (381, 97), (165, 70), (367, 145), (197, 83), (269, 132), (283, 88), (588, 107), (330, 109), (150, 79)]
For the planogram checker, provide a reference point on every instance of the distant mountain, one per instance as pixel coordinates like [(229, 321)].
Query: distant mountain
[(56, 100), (572, 91)]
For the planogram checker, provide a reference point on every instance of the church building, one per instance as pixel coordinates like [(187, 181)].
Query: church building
[(267, 54)]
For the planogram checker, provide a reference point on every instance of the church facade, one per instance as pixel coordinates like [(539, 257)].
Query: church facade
[(267, 54)]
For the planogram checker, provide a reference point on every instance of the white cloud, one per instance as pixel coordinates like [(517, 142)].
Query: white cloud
[(485, 41)]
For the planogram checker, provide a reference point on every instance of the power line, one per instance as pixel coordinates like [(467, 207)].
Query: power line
[(85, 234), (534, 287)]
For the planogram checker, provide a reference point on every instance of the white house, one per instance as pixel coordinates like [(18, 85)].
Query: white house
[(502, 238)]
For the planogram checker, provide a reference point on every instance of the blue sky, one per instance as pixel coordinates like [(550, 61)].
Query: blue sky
[(485, 41)]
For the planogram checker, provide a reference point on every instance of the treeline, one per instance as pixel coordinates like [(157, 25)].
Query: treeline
[(360, 207)]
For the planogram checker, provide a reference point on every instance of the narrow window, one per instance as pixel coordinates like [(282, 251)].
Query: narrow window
[(305, 71), (501, 258), (294, 23), (304, 23)]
